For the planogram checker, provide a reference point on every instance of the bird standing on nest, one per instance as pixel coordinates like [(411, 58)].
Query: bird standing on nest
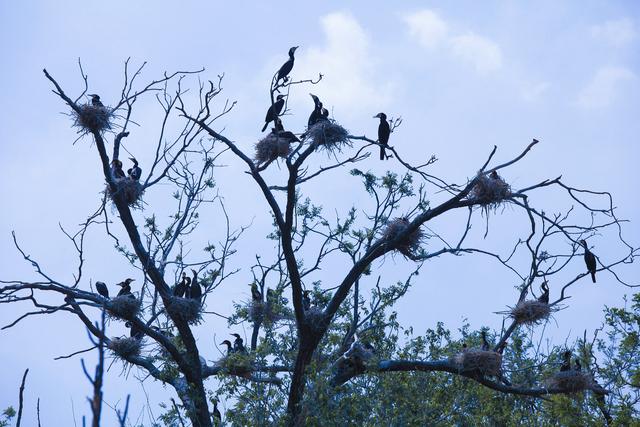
[(316, 114), (238, 344), (590, 260), (278, 130), (256, 296), (566, 361), (181, 288), (135, 172), (136, 332), (229, 346), (196, 290), (577, 364), (126, 287), (384, 131), (286, 68), (544, 297), (494, 175), (274, 111), (306, 300), (95, 100), (485, 343), (101, 287), (116, 169)]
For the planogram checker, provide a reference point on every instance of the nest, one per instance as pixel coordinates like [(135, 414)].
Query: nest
[(328, 134), (530, 312), (92, 118), (261, 311), (271, 147), (570, 381), (186, 309), (128, 191), (125, 347), (240, 364), (409, 244), (490, 189), (123, 307), (350, 364), (483, 361)]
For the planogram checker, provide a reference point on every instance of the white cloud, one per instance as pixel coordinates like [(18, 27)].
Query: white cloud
[(533, 92), (617, 33), (427, 27), (481, 52), (601, 91)]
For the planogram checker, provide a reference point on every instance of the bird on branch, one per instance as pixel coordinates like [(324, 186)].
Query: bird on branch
[(238, 344), (136, 332), (316, 114), (126, 287), (274, 111), (485, 343), (384, 131), (306, 300), (229, 346), (566, 361), (590, 260), (196, 290), (135, 172), (544, 297), (256, 296), (577, 364), (95, 100), (180, 289), (278, 130), (286, 68), (116, 169), (101, 287)]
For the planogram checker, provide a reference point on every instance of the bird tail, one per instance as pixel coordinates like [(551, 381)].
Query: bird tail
[(265, 126), (382, 153), (593, 276)]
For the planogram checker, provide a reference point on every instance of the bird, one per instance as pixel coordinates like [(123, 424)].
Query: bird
[(316, 114), (196, 290), (544, 296), (485, 343), (590, 260), (566, 361), (229, 346), (384, 130), (95, 100), (274, 111), (278, 130), (216, 415), (577, 364), (256, 296), (306, 300), (272, 298), (286, 68), (325, 114), (136, 332), (494, 175), (135, 172), (126, 287), (238, 344), (181, 288), (101, 287), (116, 169)]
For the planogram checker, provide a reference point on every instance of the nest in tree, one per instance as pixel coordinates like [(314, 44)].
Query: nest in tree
[(240, 364), (530, 312), (328, 134), (483, 361), (123, 307), (271, 147), (570, 381), (269, 313), (186, 309), (91, 118), (490, 189), (408, 245), (350, 364), (127, 190), (125, 347)]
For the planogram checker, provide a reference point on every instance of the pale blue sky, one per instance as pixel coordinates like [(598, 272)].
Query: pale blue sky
[(463, 76)]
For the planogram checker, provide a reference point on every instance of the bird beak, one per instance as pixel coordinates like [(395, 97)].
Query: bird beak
[(133, 159), (377, 116)]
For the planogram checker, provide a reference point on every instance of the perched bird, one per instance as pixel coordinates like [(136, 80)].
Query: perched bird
[(590, 260), (485, 343), (116, 169), (279, 131), (577, 364), (238, 344), (136, 332), (95, 100), (384, 130), (325, 114), (316, 114), (544, 296), (181, 288), (286, 68), (126, 287), (256, 296), (306, 300), (101, 287), (272, 298), (229, 346), (216, 415), (494, 175), (274, 111), (566, 361), (196, 290), (135, 172)]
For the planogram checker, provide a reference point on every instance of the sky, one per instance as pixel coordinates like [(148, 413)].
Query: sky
[(464, 77)]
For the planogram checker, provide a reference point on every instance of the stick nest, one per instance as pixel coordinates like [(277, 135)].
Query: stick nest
[(128, 191), (570, 381), (123, 307), (92, 118), (125, 347), (408, 245), (490, 190), (240, 364), (329, 135), (269, 313), (483, 361), (271, 147), (530, 312), (186, 309), (350, 364)]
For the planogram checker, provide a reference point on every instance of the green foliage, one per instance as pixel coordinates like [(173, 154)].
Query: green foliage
[(7, 415)]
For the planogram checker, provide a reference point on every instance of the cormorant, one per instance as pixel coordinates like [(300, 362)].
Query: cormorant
[(544, 296), (95, 100), (196, 290), (238, 344), (136, 332), (126, 287), (286, 68), (494, 175), (181, 288), (229, 346), (325, 114), (216, 415), (566, 361), (577, 364), (271, 298), (256, 296), (590, 260), (274, 111), (316, 114), (101, 287), (485, 343), (116, 169), (306, 300), (279, 131), (384, 130), (135, 172)]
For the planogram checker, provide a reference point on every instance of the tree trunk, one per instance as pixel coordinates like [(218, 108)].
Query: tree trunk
[(308, 343)]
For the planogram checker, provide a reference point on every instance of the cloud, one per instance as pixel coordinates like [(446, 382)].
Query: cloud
[(601, 91), (533, 92), (482, 53), (427, 27), (618, 32)]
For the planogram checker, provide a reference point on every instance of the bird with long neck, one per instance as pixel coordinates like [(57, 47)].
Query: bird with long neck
[(135, 172), (577, 364), (306, 300), (126, 287), (116, 169), (485, 343), (384, 131), (566, 361), (273, 111), (181, 288), (102, 289), (196, 290), (589, 260), (136, 332), (286, 68), (229, 346), (238, 344), (256, 295), (544, 296), (279, 131), (316, 114), (95, 100)]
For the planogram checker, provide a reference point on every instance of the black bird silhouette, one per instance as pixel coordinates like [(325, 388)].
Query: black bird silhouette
[(116, 169), (256, 296), (566, 362), (216, 415), (384, 130), (136, 332), (229, 346), (101, 287), (306, 300), (95, 100), (316, 114), (590, 260), (286, 68), (278, 130), (577, 364), (135, 172), (126, 287), (238, 344), (180, 289), (196, 289), (544, 296), (485, 343), (274, 111)]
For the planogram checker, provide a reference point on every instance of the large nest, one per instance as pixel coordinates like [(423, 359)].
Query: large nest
[(409, 244), (484, 362), (271, 147), (328, 134), (240, 364), (186, 309), (570, 381), (269, 313), (127, 190), (353, 362), (490, 189), (123, 307), (92, 118), (530, 312), (125, 347)]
